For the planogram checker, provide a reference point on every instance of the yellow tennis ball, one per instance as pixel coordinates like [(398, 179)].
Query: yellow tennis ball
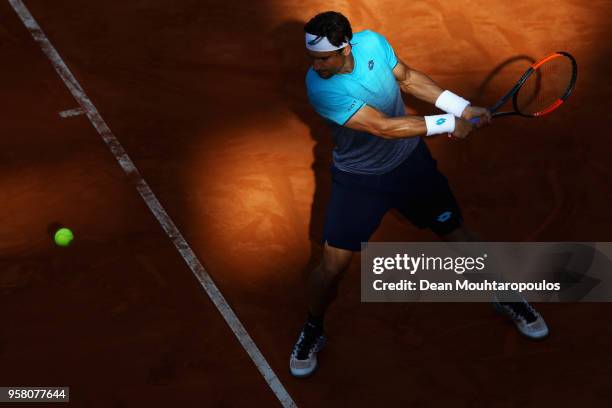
[(63, 237)]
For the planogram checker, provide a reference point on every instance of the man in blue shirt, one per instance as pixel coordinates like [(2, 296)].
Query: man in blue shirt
[(380, 161)]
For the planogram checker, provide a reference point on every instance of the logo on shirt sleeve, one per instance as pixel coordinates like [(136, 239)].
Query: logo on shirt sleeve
[(371, 64)]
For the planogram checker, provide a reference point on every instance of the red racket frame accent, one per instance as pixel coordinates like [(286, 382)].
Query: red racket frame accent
[(551, 108), (537, 64)]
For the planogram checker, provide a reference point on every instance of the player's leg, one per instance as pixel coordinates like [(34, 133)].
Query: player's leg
[(435, 207), (352, 216), (527, 320), (322, 283), (322, 288)]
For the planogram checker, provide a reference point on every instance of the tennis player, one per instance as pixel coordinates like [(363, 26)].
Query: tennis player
[(380, 161)]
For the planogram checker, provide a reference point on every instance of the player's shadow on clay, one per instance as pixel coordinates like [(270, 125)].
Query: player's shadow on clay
[(514, 67)]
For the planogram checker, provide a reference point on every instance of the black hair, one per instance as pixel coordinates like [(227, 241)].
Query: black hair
[(332, 25)]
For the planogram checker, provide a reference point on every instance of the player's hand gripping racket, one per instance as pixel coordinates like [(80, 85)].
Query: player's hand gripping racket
[(541, 89)]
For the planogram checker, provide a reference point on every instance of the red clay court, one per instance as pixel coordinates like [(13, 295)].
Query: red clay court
[(207, 100)]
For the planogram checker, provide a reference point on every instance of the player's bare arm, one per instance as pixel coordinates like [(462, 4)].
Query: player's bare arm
[(371, 120), (424, 88)]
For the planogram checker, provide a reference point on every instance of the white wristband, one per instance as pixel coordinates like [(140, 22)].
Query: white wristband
[(437, 124), (451, 103)]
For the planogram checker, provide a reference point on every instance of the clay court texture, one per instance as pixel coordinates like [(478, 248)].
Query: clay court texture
[(207, 100)]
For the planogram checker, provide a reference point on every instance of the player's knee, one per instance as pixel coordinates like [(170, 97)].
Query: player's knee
[(335, 261), (331, 272)]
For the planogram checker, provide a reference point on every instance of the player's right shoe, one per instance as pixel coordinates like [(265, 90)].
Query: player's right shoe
[(528, 322), (303, 359)]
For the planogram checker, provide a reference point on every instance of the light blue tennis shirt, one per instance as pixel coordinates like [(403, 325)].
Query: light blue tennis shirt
[(338, 98)]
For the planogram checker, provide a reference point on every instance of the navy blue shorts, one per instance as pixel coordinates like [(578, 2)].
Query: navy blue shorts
[(415, 188)]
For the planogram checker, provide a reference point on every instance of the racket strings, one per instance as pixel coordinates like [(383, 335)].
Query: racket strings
[(544, 87)]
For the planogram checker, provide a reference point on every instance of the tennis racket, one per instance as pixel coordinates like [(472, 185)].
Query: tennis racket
[(542, 88)]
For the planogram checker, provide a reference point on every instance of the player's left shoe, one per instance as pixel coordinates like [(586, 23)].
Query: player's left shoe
[(528, 322), (303, 360)]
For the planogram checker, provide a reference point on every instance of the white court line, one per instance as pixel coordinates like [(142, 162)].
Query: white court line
[(154, 205), (72, 112)]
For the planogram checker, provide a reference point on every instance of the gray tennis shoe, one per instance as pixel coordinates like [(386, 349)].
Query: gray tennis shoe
[(528, 322), (303, 359)]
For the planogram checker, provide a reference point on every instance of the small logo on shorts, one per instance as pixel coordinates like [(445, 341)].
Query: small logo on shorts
[(444, 216), (440, 121), (371, 64)]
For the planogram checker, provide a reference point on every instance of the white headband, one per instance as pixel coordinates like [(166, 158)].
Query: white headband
[(321, 43)]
